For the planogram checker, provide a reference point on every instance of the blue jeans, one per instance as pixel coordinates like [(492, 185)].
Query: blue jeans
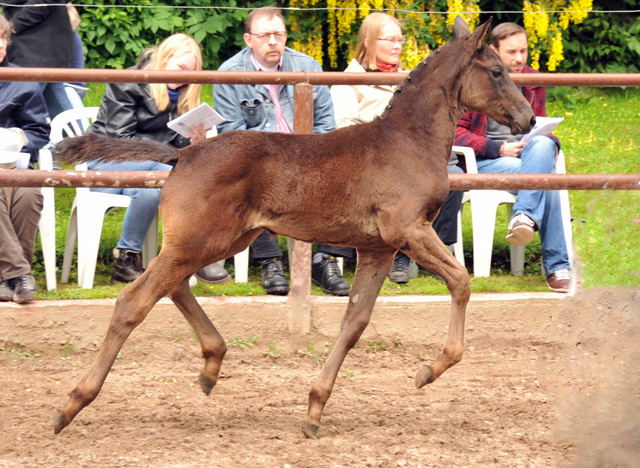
[(542, 206), (56, 98), (144, 202)]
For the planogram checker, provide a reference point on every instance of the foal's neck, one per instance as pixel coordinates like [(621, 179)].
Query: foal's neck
[(426, 105)]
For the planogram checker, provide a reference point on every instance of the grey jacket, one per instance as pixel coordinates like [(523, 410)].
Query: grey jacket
[(249, 107)]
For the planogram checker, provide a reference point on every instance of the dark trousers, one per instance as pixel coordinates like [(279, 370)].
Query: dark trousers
[(18, 229), (266, 246), (446, 224)]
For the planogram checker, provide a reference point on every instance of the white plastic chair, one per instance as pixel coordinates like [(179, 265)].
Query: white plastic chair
[(484, 204), (47, 224), (89, 208)]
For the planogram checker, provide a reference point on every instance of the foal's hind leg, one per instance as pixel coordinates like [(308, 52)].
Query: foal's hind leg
[(427, 249), (372, 269), (132, 306), (212, 343)]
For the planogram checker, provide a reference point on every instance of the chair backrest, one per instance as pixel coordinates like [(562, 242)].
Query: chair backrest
[(469, 158), (72, 122)]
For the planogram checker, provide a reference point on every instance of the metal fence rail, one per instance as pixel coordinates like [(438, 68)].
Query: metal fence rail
[(91, 75), (155, 179)]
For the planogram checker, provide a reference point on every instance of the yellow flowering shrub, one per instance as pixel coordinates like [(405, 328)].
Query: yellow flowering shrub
[(545, 28), (330, 35)]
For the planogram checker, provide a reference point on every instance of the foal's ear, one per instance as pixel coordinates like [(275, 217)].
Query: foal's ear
[(460, 29), (481, 33)]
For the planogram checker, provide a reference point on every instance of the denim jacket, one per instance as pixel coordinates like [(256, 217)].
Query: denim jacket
[(249, 107)]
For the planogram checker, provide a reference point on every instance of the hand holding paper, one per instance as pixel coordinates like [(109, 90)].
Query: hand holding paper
[(543, 126), (203, 114)]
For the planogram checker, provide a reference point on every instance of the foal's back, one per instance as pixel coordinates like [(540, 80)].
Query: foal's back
[(345, 178)]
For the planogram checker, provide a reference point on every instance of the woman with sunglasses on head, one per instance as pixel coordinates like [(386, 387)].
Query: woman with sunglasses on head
[(380, 42)]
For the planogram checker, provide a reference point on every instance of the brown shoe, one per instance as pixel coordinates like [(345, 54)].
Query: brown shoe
[(559, 281), (521, 229)]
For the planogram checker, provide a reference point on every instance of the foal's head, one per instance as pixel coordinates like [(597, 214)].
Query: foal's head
[(470, 76), (485, 85)]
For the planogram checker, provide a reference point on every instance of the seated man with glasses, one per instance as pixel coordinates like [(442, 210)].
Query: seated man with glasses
[(269, 108)]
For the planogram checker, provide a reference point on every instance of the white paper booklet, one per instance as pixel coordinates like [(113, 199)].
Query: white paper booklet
[(543, 126), (204, 114)]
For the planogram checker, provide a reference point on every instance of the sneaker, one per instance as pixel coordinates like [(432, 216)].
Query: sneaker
[(325, 273), (272, 279), (127, 266), (400, 270), (213, 274), (6, 290), (559, 281), (24, 288), (521, 229)]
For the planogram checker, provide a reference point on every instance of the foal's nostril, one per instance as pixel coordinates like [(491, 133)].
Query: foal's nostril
[(532, 121)]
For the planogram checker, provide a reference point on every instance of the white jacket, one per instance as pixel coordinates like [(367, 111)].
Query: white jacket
[(353, 104)]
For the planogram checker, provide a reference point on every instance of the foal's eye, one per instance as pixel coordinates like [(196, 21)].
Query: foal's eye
[(497, 73)]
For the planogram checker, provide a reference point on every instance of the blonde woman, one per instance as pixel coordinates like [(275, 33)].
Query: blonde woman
[(138, 110), (379, 47), (380, 41)]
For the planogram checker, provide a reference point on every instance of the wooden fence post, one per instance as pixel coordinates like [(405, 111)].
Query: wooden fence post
[(300, 268)]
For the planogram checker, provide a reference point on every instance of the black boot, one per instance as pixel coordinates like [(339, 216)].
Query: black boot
[(272, 279), (400, 270), (127, 266), (213, 274), (325, 273), (6, 290), (24, 288)]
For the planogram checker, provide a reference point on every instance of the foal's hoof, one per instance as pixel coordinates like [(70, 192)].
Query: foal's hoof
[(58, 423), (206, 384), (310, 431), (424, 377)]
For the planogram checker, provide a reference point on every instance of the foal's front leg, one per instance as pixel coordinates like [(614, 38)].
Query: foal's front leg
[(428, 250), (372, 269)]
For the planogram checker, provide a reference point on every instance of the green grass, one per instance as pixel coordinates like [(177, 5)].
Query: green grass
[(600, 134)]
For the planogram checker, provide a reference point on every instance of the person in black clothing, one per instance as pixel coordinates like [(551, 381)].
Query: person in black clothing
[(42, 37), (22, 111)]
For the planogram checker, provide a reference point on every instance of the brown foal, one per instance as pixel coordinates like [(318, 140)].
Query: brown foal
[(376, 186)]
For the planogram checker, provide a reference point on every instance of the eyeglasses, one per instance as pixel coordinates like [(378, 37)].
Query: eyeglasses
[(392, 40), (279, 35)]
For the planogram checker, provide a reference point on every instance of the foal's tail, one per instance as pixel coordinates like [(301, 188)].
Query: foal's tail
[(89, 147)]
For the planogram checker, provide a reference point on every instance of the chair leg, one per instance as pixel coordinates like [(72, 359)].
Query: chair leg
[(150, 245), (89, 232), (516, 255), (241, 266), (458, 249), (70, 244), (484, 222), (47, 227), (516, 252)]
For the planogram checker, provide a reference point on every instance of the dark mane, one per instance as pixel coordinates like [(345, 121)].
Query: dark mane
[(413, 77)]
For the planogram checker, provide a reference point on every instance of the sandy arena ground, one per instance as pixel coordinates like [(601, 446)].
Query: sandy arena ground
[(545, 381)]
